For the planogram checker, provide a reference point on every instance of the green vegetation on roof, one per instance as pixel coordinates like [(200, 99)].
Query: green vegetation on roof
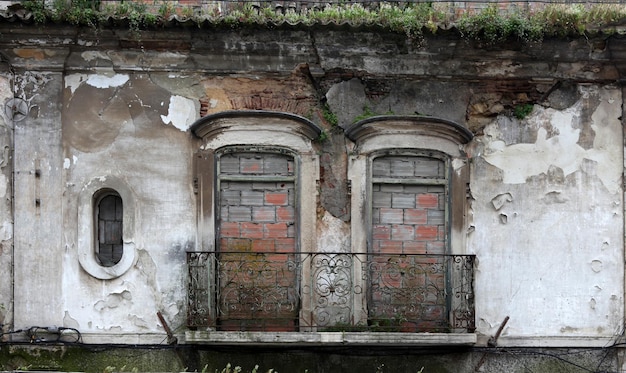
[(490, 25)]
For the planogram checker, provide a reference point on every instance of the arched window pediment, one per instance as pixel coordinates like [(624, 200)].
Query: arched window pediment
[(407, 128), (211, 126)]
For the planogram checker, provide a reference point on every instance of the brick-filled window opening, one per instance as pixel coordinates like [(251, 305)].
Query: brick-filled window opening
[(409, 216), (256, 282), (109, 228)]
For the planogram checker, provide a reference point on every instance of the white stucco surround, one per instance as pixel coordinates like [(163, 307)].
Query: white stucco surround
[(270, 129), (86, 229), (409, 133)]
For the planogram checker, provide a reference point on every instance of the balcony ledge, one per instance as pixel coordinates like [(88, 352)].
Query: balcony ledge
[(300, 339)]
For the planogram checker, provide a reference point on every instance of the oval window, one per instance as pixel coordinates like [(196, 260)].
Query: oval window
[(109, 228)]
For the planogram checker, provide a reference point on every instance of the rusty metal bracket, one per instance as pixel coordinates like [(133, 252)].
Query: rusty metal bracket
[(171, 339), (492, 342)]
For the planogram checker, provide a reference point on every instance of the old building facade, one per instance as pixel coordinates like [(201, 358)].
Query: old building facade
[(313, 188)]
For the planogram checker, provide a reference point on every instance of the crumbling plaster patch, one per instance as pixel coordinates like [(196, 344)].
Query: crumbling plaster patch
[(182, 112), (34, 53), (518, 162), (292, 94), (103, 80), (333, 234), (557, 251), (113, 300)]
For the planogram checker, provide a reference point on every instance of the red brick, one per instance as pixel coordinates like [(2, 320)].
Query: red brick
[(441, 233), (285, 214), (435, 247), (387, 246), (433, 313), (415, 216), (263, 246), (414, 247), (402, 232), (426, 232), (427, 201), (276, 198), (237, 244), (408, 327), (381, 232), (251, 165), (285, 244), (277, 260), (251, 230), (229, 229), (277, 230)]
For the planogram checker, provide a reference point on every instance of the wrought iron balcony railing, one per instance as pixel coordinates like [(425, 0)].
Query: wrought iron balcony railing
[(278, 291)]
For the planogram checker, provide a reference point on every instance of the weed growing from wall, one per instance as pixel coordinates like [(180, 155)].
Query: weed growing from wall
[(489, 26), (522, 111), (329, 116)]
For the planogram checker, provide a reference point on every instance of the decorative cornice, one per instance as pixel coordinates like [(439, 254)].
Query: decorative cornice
[(211, 125), (410, 126)]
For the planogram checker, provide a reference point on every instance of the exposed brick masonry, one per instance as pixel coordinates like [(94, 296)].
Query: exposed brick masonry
[(258, 217)]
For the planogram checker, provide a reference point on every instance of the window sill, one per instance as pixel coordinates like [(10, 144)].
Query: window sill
[(329, 338)]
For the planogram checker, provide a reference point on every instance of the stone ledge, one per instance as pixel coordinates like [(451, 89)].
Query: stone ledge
[(329, 339), (558, 341)]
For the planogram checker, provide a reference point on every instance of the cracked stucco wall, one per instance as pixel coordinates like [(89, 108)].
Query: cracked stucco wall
[(117, 124), (547, 214), (546, 194), (6, 192)]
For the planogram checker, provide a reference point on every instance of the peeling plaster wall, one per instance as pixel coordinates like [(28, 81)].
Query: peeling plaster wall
[(39, 251), (547, 220), (134, 128), (6, 215), (546, 191)]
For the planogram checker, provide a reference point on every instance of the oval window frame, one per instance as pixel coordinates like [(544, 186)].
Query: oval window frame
[(87, 229)]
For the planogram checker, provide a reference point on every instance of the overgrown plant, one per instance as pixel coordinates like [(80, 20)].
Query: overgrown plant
[(523, 110), (329, 116), (491, 25), (368, 113)]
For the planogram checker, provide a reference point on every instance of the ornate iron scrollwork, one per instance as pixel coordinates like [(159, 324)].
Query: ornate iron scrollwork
[(266, 291)]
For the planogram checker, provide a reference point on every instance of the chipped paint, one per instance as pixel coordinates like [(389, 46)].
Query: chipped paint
[(518, 162), (181, 113), (94, 55), (546, 207), (6, 231), (73, 81), (333, 234), (113, 300), (104, 81)]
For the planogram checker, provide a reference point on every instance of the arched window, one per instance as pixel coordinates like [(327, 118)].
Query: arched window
[(106, 227), (109, 217), (257, 174), (409, 179)]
